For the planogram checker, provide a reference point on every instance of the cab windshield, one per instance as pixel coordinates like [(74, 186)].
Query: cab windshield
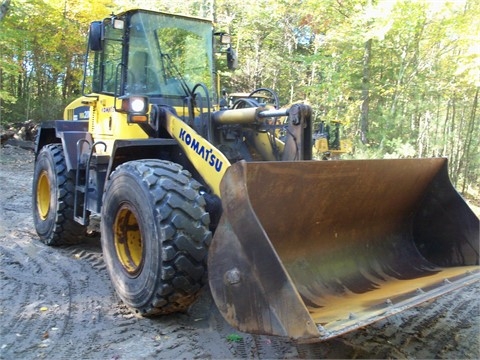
[(168, 55)]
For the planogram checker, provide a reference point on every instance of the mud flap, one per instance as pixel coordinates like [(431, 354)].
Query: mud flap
[(313, 249)]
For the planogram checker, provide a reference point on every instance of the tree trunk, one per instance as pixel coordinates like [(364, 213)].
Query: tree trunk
[(468, 141), (367, 56), (4, 9)]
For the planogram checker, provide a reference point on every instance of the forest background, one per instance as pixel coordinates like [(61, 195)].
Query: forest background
[(403, 76)]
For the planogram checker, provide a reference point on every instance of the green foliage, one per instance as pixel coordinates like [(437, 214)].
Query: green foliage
[(415, 87), (42, 56)]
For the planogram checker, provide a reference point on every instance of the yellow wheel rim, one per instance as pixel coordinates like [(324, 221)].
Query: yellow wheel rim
[(43, 195), (128, 240)]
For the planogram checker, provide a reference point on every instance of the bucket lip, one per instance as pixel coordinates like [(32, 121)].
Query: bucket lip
[(440, 160), (398, 304)]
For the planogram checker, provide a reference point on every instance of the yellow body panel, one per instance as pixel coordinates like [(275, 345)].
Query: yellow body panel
[(106, 124), (84, 101), (109, 125)]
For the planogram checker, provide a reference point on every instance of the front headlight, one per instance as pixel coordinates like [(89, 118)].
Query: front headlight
[(136, 107), (138, 104)]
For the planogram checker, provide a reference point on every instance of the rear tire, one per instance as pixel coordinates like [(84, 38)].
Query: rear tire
[(155, 236), (53, 197)]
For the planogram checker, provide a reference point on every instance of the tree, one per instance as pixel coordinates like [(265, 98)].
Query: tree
[(401, 75), (42, 56)]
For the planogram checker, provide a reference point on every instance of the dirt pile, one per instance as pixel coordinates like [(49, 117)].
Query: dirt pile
[(21, 135)]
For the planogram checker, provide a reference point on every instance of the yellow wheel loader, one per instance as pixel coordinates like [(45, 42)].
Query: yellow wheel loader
[(293, 247), (327, 142)]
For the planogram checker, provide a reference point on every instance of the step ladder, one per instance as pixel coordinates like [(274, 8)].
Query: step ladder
[(82, 178)]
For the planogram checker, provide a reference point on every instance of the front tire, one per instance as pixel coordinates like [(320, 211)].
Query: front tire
[(155, 236), (53, 198)]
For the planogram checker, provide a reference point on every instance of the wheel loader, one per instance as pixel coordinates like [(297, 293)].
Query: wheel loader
[(328, 143), (191, 196)]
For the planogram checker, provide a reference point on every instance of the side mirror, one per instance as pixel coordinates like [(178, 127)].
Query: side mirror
[(232, 59), (95, 36), (225, 39), (118, 24)]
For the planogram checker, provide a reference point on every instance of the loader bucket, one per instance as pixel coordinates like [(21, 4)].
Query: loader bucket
[(315, 249)]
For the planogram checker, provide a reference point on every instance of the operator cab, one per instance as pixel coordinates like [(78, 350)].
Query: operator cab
[(149, 53)]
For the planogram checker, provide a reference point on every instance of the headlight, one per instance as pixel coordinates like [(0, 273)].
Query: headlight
[(138, 105), (136, 108), (135, 104)]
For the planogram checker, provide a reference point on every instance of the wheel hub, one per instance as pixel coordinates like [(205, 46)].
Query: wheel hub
[(43, 195), (128, 240)]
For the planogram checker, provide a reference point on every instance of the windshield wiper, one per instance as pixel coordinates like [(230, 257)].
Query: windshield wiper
[(174, 73)]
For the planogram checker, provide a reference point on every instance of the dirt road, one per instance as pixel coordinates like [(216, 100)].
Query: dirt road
[(58, 303)]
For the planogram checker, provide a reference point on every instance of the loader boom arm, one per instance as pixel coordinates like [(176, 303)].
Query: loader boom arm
[(211, 163)]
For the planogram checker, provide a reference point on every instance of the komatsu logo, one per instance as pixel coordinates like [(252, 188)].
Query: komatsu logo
[(205, 154)]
